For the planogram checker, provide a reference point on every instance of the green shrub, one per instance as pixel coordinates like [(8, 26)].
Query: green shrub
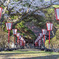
[(57, 34), (54, 42), (47, 43), (4, 39)]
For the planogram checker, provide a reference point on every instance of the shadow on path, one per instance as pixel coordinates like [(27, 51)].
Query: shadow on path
[(44, 57)]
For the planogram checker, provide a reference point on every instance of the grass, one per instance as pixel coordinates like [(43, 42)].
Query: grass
[(28, 54)]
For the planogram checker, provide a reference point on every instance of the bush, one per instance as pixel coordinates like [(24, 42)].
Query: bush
[(47, 44), (4, 39), (54, 43), (57, 34)]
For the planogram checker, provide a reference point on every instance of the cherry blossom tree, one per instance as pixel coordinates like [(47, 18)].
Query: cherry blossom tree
[(27, 7)]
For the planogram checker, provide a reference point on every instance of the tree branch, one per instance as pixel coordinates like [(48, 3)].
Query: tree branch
[(29, 13), (6, 7)]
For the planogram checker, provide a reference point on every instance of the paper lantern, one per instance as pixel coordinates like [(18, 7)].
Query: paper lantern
[(44, 31), (14, 31), (9, 25), (49, 26), (57, 13), (18, 34), (0, 12)]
